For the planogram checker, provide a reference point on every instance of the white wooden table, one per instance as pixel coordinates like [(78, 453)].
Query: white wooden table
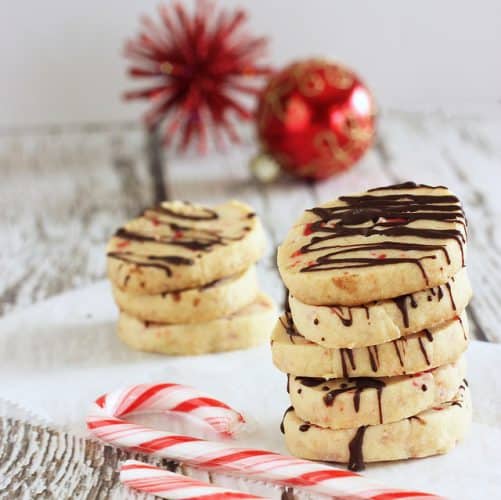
[(65, 190)]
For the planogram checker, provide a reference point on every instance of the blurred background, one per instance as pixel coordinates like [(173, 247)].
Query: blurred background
[(77, 161), (61, 61)]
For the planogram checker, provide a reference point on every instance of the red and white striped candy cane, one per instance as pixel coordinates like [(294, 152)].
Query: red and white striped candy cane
[(165, 484), (106, 421)]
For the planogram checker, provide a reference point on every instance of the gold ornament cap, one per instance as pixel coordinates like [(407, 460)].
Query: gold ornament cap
[(264, 168)]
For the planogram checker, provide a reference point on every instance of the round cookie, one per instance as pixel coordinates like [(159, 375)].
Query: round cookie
[(434, 431), (348, 403), (420, 351), (194, 305), (383, 243), (179, 245), (246, 328), (382, 321)]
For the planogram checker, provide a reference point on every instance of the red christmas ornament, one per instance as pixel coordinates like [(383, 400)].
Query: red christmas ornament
[(200, 65), (315, 118)]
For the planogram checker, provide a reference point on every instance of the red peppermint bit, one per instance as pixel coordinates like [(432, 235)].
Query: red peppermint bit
[(311, 263), (101, 400), (307, 229), (123, 244), (438, 408), (381, 256), (297, 253), (178, 235), (155, 221)]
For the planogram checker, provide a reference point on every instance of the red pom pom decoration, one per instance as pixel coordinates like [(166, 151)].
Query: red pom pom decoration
[(200, 66)]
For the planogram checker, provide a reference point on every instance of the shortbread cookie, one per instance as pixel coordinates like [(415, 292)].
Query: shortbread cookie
[(436, 346), (347, 403), (383, 243), (432, 432), (382, 321), (194, 305), (179, 245), (246, 328)]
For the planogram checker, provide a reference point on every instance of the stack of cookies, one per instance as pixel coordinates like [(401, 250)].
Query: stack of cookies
[(184, 278), (374, 332)]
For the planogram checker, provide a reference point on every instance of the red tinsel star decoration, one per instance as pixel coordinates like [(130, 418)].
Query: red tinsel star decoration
[(201, 66)]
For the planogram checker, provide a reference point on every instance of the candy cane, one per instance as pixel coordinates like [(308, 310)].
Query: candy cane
[(106, 421), (165, 484)]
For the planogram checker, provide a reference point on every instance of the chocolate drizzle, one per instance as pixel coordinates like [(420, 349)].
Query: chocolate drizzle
[(356, 461), (311, 381), (345, 314), (190, 237), (465, 336), (202, 241), (401, 303), (400, 346), (282, 429), (419, 419), (355, 385), (373, 357), (346, 320), (453, 304), (387, 215), (288, 323), (429, 337), (204, 213), (347, 354), (162, 262)]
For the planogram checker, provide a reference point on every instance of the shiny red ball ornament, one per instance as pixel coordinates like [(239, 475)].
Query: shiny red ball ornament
[(315, 118)]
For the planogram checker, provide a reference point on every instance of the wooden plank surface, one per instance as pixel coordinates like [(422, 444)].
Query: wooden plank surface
[(66, 189), (60, 465)]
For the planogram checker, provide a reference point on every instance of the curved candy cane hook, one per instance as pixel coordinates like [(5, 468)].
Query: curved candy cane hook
[(159, 398), (106, 421)]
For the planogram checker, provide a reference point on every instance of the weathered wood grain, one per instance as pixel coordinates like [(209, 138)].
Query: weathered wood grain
[(61, 196), (65, 190), (41, 463)]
